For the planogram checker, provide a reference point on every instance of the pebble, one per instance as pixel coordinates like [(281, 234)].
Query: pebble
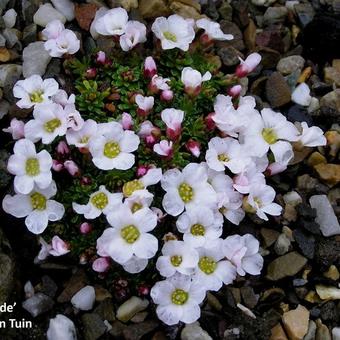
[(328, 293), (301, 95), (277, 90), (331, 101), (277, 333), (84, 14), (332, 273), (38, 304), (262, 2), (311, 331), (130, 308), (249, 297), (282, 244), (46, 13), (229, 56), (65, 7), (152, 9), (296, 322), (306, 243), (12, 36), (332, 76), (269, 236), (61, 327), (106, 310), (293, 198), (274, 15), (35, 59), (137, 332), (316, 158), (94, 326), (306, 182), (336, 333), (4, 54), (322, 331), (290, 64), (10, 18), (329, 173), (325, 216), (84, 299), (9, 74), (194, 332), (305, 13), (286, 265), (29, 34)]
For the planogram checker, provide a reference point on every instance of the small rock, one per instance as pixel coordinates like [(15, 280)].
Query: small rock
[(46, 13), (277, 90), (153, 9), (10, 18), (250, 35), (311, 331), (117, 329), (184, 10), (286, 265), (249, 297), (84, 298), (332, 76), (328, 293), (229, 56), (9, 74), (4, 54), (322, 331), (293, 198), (127, 4), (277, 333), (12, 37), (229, 27), (85, 14), (325, 215), (316, 158), (106, 310), (3, 4), (305, 13), (282, 244), (296, 322), (329, 173), (77, 282), (328, 312), (290, 64), (306, 182), (38, 304), (274, 15), (331, 101), (94, 326), (269, 236), (194, 332), (65, 7), (29, 34), (49, 287), (35, 59), (4, 109), (130, 308), (137, 332), (301, 95), (262, 2), (61, 327), (336, 333), (306, 243), (332, 273), (226, 11)]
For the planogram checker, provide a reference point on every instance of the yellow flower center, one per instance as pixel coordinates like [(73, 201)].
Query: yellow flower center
[(207, 265), (185, 192), (223, 157), (176, 260), (170, 36), (197, 230), (130, 187), (32, 167), (247, 207), (111, 150), (52, 124), (269, 135), (179, 297), (38, 201), (84, 139), (135, 207), (100, 200), (130, 233), (37, 96)]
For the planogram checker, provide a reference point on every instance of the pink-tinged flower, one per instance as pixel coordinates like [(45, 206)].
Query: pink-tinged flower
[(101, 265), (59, 247), (135, 33), (173, 120), (235, 91), (62, 148), (85, 228), (16, 129), (164, 148), (212, 31), (53, 30), (44, 250), (101, 58), (159, 83), (63, 99), (167, 95), (91, 73), (194, 147), (160, 214), (142, 170), (192, 80), (209, 121), (150, 67), (126, 121), (145, 104), (275, 168), (72, 168), (57, 166), (248, 65), (74, 119)]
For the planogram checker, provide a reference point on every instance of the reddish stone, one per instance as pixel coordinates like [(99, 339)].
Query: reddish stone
[(85, 13)]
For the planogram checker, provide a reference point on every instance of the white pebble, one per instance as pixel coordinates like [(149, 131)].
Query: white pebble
[(61, 328), (84, 299)]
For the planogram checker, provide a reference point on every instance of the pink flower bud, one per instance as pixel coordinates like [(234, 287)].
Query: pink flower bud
[(62, 148), (145, 104), (101, 265), (194, 147), (248, 65), (143, 290), (72, 168), (173, 134), (85, 228), (150, 67), (235, 91), (167, 95), (127, 121), (16, 128), (91, 73), (85, 180), (164, 149), (209, 122), (57, 166), (150, 140), (59, 247), (101, 58), (142, 170)]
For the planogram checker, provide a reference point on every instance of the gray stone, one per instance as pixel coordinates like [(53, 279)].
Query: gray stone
[(331, 101), (65, 7), (29, 8), (194, 332), (106, 310), (325, 216), (94, 326), (4, 108), (274, 15), (29, 34), (49, 287), (9, 74), (35, 58), (228, 56), (3, 4), (336, 333), (311, 331), (290, 64), (282, 244), (263, 2), (137, 332), (2, 41), (277, 90), (45, 14), (12, 37), (38, 304), (305, 13)]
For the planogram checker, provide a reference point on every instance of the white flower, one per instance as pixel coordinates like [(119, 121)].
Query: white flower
[(101, 201), (312, 136), (36, 207), (213, 29), (200, 225), (112, 147), (44, 250), (270, 131), (248, 65), (226, 152), (173, 32), (58, 247), (242, 251), (145, 104), (34, 90), (63, 99), (74, 119), (135, 33), (135, 265), (163, 148), (139, 199), (301, 95), (213, 270), (16, 129), (186, 189), (173, 119), (29, 167), (177, 256), (260, 201), (178, 299), (53, 29), (192, 79), (160, 83), (50, 121), (82, 137), (129, 235), (112, 22)]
